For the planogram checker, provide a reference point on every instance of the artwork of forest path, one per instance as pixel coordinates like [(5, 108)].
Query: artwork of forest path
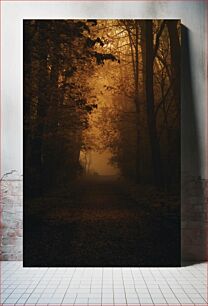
[(102, 99), (97, 223)]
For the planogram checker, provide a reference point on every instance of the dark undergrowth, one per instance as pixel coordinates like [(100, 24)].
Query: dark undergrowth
[(102, 223)]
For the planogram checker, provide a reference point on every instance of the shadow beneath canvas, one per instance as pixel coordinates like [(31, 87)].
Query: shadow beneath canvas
[(193, 236)]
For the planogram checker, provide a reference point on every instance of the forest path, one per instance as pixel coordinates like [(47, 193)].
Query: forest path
[(97, 223)]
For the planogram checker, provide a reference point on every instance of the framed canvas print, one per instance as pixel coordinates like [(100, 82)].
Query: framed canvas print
[(102, 147)]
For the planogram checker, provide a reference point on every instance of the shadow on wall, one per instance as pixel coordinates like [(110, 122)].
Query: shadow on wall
[(193, 210)]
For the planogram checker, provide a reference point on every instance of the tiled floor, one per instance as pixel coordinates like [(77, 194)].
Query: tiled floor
[(103, 286)]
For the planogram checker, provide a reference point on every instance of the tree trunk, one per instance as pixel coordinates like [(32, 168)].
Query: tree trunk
[(146, 167), (42, 106), (175, 59), (54, 141), (154, 142), (54, 97), (175, 51), (134, 45), (137, 102)]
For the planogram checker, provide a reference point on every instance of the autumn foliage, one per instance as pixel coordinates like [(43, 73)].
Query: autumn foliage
[(101, 85)]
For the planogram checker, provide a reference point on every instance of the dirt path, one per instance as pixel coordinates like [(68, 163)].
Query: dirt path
[(98, 224)]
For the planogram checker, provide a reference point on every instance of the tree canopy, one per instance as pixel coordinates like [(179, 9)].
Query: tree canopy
[(101, 85)]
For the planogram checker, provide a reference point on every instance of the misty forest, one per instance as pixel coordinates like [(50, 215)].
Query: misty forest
[(101, 142)]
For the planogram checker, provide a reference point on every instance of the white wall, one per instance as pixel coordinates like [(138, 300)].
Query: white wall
[(191, 13)]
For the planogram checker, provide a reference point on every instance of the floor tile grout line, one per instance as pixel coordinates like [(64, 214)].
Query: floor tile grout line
[(135, 288), (158, 285), (183, 289), (147, 287), (8, 286), (170, 287), (102, 285), (79, 284), (123, 284), (68, 285), (37, 283), (120, 279)]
